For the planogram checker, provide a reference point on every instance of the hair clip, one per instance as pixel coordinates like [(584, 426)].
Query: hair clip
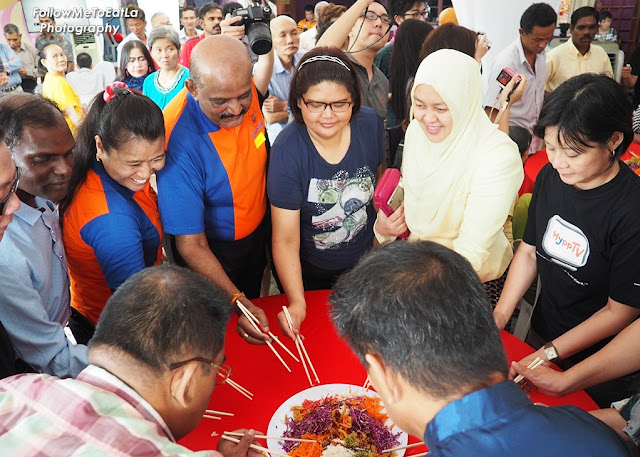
[(325, 58), (109, 91)]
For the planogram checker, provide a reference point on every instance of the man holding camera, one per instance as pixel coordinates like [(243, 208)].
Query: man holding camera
[(366, 25), (526, 56), (212, 190)]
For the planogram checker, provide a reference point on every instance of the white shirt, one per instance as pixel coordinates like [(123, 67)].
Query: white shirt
[(183, 36), (87, 83), (308, 39)]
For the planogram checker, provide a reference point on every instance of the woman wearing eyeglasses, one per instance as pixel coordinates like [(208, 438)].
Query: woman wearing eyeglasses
[(135, 64), (111, 225), (322, 173)]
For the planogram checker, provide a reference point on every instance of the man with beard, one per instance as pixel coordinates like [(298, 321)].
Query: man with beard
[(210, 15), (366, 24), (577, 56), (212, 190), (34, 286)]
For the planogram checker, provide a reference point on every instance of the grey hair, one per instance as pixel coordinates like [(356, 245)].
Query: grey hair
[(164, 31), (11, 28), (318, 6)]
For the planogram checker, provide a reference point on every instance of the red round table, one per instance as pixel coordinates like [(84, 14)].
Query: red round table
[(257, 369)]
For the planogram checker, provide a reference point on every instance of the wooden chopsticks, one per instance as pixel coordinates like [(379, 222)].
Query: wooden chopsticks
[(301, 349), (279, 438), (533, 365)]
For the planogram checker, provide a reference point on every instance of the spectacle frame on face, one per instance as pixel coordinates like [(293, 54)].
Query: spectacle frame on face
[(224, 370), (319, 107), (14, 187), (370, 15)]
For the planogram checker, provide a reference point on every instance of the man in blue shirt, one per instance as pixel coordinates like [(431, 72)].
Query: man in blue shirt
[(9, 70), (34, 285), (420, 320), (286, 43)]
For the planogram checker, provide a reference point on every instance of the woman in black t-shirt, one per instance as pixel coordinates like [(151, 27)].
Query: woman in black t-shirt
[(583, 229)]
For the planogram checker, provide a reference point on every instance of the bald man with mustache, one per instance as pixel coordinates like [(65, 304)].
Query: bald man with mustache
[(211, 192)]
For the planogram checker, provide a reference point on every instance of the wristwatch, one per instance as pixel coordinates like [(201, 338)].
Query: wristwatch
[(550, 351)]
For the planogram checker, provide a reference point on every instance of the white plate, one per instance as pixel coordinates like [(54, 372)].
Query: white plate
[(277, 425)]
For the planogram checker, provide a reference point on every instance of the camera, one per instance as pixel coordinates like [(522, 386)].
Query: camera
[(255, 19), (505, 76)]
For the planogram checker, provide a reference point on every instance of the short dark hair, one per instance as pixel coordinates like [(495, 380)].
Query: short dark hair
[(400, 7), (422, 309), (318, 71), (84, 60), (134, 12), (538, 15), (604, 15), (204, 9), (43, 54), (308, 8), (163, 314), (19, 111), (124, 57), (11, 28), (587, 109), (188, 8), (450, 36), (521, 137), (585, 11), (128, 116)]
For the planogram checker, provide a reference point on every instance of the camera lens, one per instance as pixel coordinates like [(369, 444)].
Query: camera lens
[(259, 36)]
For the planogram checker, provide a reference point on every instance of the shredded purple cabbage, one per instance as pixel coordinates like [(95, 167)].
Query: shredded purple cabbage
[(319, 421)]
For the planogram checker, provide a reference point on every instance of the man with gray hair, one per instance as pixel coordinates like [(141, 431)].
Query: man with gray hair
[(159, 19), (308, 37), (28, 55), (420, 320)]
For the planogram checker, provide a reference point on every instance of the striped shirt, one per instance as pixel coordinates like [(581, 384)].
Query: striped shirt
[(96, 414)]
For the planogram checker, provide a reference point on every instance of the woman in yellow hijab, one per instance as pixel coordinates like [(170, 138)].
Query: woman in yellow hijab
[(460, 173)]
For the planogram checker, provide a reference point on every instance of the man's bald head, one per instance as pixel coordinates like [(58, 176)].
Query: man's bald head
[(220, 79), (285, 38), (219, 56)]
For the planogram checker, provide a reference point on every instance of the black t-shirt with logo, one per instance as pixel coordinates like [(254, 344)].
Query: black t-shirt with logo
[(587, 247)]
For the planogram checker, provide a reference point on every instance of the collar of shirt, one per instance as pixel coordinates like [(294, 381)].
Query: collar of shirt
[(106, 179), (574, 51), (31, 215), (102, 379), (278, 67), (523, 57), (473, 411)]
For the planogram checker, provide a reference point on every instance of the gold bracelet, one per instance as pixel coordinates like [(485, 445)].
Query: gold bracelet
[(235, 297)]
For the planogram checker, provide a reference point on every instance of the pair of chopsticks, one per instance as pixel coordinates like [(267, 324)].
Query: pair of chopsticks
[(301, 348), (213, 414), (239, 388), (253, 320), (279, 438), (407, 446), (532, 366), (367, 384), (264, 450)]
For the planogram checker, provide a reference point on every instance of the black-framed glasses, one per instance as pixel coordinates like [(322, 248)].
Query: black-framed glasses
[(416, 14), (224, 370), (319, 107), (373, 16), (14, 187)]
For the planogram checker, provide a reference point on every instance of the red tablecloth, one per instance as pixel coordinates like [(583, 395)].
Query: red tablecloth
[(257, 369)]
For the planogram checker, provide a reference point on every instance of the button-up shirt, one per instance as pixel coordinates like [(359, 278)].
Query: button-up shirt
[(375, 93), (34, 291), (501, 421), (279, 87), (11, 64), (28, 55), (96, 414), (524, 113), (565, 61)]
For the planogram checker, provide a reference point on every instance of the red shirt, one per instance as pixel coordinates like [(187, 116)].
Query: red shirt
[(185, 55)]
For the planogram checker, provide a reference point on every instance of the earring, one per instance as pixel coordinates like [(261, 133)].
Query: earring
[(97, 157)]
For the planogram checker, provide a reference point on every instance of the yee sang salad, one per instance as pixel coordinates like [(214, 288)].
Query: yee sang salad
[(340, 426)]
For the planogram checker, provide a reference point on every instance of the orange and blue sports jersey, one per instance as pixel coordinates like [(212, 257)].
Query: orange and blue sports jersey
[(109, 233), (214, 179)]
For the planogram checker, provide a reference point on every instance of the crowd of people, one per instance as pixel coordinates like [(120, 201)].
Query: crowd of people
[(236, 165)]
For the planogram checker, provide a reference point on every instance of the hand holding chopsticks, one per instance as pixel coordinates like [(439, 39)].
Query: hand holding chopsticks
[(253, 320), (532, 366), (301, 349)]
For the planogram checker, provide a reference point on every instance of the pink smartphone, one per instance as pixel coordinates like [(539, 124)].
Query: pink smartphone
[(389, 194)]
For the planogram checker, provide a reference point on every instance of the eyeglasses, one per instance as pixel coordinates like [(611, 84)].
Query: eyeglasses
[(224, 371), (319, 107), (137, 59), (14, 187), (373, 16), (416, 14)]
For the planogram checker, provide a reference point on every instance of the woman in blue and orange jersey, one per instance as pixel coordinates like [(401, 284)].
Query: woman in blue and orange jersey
[(111, 224)]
